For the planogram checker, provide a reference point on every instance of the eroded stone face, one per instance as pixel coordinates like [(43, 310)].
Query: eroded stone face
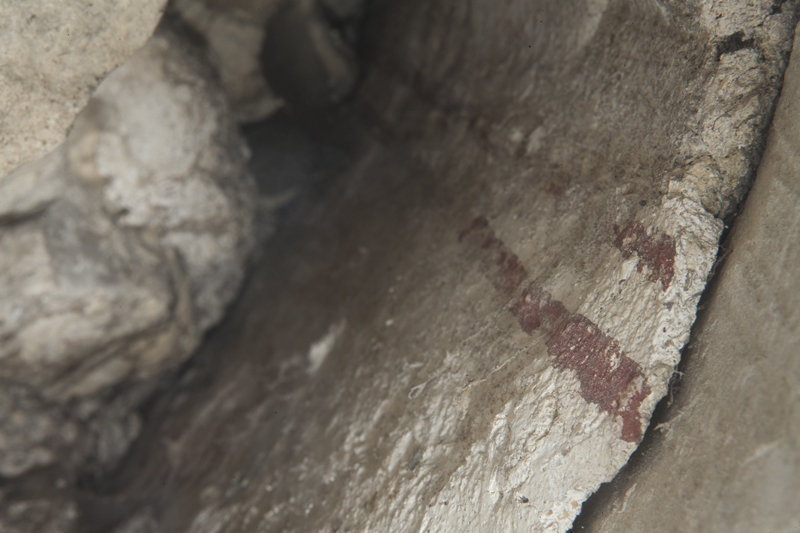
[(126, 243), (117, 251)]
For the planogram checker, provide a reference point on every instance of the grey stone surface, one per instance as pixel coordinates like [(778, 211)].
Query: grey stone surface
[(32, 433), (142, 522), (46, 515), (52, 56), (726, 455), (117, 251)]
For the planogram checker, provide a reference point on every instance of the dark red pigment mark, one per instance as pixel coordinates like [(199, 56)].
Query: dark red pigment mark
[(658, 254), (607, 375), (608, 378)]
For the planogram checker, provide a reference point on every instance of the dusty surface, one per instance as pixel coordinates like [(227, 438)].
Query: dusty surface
[(52, 56), (465, 328), (472, 332), (726, 453)]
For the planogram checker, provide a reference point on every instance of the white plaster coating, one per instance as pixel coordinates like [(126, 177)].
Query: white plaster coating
[(725, 17), (736, 99), (550, 449), (652, 325), (322, 348)]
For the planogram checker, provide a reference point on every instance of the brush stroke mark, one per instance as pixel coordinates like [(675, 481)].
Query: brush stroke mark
[(655, 253), (608, 378)]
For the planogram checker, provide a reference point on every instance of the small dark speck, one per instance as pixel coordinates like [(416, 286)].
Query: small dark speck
[(733, 43), (523, 499), (416, 460)]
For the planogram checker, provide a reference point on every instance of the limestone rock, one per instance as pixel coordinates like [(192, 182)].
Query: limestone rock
[(32, 433), (160, 138), (234, 32), (52, 56), (117, 251), (307, 50)]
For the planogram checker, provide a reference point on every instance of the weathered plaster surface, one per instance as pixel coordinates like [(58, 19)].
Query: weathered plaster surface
[(726, 453), (513, 266)]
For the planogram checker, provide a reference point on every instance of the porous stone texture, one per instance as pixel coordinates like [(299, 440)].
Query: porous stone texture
[(750, 41), (31, 432), (474, 332), (725, 455), (52, 56), (117, 251)]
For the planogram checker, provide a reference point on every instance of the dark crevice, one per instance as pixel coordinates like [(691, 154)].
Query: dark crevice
[(733, 43), (776, 6), (288, 155)]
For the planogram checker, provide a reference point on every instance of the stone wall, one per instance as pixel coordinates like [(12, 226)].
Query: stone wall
[(473, 329)]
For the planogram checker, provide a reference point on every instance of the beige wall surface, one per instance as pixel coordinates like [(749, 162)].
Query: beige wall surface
[(725, 455)]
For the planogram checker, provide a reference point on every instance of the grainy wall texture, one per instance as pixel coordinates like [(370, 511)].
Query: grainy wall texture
[(472, 333), (726, 453), (472, 330)]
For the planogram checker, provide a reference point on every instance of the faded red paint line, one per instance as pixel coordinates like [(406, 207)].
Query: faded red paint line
[(498, 263), (608, 378), (655, 253)]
